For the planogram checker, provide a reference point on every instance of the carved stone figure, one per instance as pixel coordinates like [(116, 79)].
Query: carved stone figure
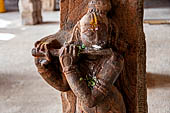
[(84, 64)]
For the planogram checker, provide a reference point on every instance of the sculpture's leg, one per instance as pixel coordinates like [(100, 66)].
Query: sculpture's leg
[(30, 11)]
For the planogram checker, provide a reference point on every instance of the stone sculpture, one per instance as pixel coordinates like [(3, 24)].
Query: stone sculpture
[(84, 64)]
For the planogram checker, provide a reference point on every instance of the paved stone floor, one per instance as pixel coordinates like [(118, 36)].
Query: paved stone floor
[(21, 88), (23, 91), (158, 56)]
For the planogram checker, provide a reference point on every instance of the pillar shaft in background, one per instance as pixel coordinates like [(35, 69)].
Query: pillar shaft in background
[(48, 5), (30, 11)]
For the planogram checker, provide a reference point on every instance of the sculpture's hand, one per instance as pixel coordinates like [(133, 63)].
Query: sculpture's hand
[(68, 56), (47, 43), (42, 47), (41, 62)]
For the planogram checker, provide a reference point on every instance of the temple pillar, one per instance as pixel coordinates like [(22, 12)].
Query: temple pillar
[(48, 5), (30, 11)]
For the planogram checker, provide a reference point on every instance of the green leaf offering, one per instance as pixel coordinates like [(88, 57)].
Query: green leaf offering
[(83, 46), (81, 79)]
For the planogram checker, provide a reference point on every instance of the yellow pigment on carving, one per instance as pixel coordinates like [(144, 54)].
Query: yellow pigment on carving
[(93, 22)]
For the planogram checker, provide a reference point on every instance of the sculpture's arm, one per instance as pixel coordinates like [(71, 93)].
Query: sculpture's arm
[(50, 73), (111, 69), (48, 66), (106, 77)]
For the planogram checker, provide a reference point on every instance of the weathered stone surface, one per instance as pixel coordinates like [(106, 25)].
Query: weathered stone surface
[(48, 5), (131, 44), (30, 11)]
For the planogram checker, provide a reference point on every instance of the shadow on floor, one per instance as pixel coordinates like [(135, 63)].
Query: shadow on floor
[(8, 81), (156, 3), (157, 80), (11, 80), (49, 22)]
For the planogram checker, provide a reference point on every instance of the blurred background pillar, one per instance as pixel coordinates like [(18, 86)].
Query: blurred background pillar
[(57, 4), (30, 11), (48, 5), (2, 6)]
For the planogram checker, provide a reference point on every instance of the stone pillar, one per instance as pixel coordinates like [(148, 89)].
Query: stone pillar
[(57, 4), (128, 14), (30, 11), (48, 5), (130, 43)]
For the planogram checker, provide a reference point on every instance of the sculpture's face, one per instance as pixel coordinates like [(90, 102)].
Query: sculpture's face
[(94, 33), (102, 5)]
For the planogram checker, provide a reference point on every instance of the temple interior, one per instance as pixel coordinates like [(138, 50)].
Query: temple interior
[(22, 90)]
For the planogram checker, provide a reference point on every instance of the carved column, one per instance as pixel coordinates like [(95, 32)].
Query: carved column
[(48, 5), (30, 11), (128, 14)]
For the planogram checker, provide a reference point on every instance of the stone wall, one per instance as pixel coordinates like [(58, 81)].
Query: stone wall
[(11, 5)]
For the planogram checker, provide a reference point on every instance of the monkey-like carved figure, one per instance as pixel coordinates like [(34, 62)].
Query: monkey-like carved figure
[(86, 67)]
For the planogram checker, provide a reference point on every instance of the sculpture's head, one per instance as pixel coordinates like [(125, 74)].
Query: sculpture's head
[(93, 31), (93, 26), (100, 5)]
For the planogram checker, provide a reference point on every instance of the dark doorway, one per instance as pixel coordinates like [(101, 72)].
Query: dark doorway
[(11, 5)]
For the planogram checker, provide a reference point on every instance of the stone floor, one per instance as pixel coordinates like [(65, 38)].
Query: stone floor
[(21, 88), (23, 91), (158, 56)]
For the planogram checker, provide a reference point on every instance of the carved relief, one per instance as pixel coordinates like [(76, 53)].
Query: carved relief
[(86, 66)]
